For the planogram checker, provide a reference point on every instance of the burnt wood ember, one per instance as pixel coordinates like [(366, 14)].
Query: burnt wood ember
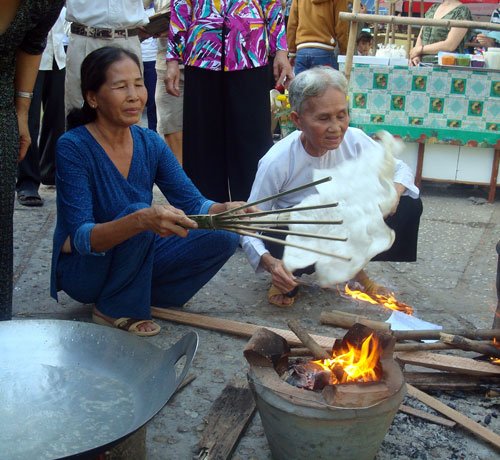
[(309, 375)]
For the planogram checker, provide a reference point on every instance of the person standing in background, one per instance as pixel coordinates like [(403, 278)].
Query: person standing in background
[(149, 49), (315, 34), (168, 107), (39, 164), (225, 46), (23, 33), (98, 23), (491, 38)]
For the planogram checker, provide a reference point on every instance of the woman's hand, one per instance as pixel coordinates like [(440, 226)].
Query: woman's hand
[(228, 205), (281, 277), (485, 40), (165, 220), (24, 135), (282, 70), (172, 78)]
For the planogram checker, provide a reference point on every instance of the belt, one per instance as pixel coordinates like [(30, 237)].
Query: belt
[(98, 32)]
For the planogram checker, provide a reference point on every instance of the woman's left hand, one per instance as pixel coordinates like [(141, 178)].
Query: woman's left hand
[(415, 52), (282, 70), (24, 136)]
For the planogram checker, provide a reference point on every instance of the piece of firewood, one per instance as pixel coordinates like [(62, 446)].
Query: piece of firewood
[(447, 381), (307, 340), (424, 415), (229, 416), (231, 327), (461, 419), (419, 346), (347, 320), (470, 345), (434, 334), (447, 363)]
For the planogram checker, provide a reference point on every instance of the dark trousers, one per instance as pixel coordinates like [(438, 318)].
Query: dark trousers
[(405, 223), (39, 164), (150, 83), (227, 129)]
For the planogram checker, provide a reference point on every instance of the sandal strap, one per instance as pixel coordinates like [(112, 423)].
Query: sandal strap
[(128, 324)]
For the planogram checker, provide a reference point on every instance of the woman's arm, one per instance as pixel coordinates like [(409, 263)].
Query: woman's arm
[(25, 77), (164, 220)]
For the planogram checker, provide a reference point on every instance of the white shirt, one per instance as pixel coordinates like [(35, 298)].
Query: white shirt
[(110, 14), (287, 165), (149, 47), (55, 45)]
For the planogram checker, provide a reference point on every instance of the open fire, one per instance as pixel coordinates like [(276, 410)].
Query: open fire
[(388, 301), (355, 359)]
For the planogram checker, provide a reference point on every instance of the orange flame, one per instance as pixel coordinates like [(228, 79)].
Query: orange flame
[(357, 364), (496, 344), (388, 301)]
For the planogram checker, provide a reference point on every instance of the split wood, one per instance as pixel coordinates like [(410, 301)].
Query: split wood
[(448, 363), (461, 419), (317, 351), (228, 418), (424, 415), (447, 381), (231, 327), (347, 320), (470, 345)]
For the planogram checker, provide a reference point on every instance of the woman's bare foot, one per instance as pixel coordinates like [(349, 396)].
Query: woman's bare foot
[(138, 326)]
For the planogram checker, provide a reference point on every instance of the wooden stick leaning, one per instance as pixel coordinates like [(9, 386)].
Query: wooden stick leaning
[(317, 351), (461, 419), (470, 345)]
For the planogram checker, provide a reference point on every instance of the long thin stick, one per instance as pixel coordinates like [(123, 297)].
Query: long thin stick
[(270, 222), (285, 243), (287, 192), (277, 211), (284, 232)]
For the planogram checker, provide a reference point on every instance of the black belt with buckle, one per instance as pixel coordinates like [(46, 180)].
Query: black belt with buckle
[(98, 32)]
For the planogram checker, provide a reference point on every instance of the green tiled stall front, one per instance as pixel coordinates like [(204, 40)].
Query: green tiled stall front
[(427, 104)]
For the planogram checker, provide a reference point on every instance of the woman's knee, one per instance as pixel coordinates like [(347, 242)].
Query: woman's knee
[(131, 208)]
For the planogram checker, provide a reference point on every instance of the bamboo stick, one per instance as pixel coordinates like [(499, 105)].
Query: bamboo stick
[(351, 43), (470, 345), (285, 243), (347, 320), (278, 211), (424, 415), (276, 222), (357, 17), (409, 31), (317, 351), (285, 232), (375, 27), (435, 334), (272, 197)]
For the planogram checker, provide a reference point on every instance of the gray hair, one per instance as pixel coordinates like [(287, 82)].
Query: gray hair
[(313, 83)]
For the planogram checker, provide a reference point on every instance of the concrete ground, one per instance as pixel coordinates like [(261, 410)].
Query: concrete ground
[(451, 284)]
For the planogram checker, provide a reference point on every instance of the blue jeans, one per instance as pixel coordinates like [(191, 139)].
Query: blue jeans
[(146, 270), (311, 57)]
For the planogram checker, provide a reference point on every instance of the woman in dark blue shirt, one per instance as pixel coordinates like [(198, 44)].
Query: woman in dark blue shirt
[(112, 246)]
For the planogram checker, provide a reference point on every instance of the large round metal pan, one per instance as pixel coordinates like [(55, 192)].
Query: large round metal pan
[(70, 388)]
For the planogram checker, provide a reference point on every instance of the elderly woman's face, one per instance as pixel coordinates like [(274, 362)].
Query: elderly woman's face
[(122, 97), (323, 121)]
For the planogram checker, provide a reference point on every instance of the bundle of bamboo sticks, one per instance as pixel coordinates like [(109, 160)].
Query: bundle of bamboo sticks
[(255, 223)]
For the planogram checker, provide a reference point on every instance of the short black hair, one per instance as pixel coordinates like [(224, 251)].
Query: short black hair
[(364, 37), (93, 76)]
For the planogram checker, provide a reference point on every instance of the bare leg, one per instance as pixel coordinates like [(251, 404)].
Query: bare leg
[(174, 141)]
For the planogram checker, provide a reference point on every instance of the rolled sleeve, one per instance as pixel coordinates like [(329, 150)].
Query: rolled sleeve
[(81, 240)]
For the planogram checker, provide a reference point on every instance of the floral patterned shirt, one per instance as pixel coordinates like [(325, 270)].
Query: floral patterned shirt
[(225, 34)]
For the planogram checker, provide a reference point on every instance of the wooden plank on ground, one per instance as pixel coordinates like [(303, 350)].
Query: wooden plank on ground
[(447, 381), (429, 417), (461, 419), (447, 363), (231, 327), (230, 414)]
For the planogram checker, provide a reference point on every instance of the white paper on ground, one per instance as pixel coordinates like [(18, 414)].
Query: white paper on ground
[(400, 321)]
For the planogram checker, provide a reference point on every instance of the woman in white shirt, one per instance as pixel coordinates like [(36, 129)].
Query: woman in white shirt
[(318, 98)]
